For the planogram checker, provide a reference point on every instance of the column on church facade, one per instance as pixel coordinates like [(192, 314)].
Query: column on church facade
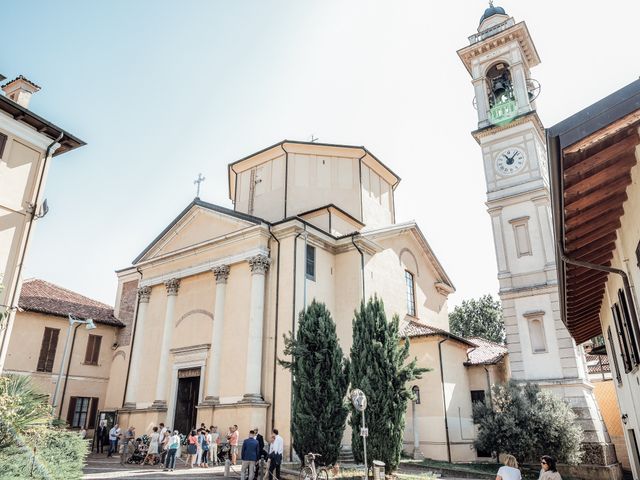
[(259, 267), (213, 370), (501, 255), (144, 293), (172, 287)]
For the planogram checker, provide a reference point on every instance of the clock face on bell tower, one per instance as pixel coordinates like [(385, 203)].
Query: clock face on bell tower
[(510, 161)]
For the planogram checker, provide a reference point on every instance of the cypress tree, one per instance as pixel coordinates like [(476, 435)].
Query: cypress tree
[(379, 368), (320, 382)]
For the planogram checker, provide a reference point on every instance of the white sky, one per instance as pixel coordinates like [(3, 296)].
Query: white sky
[(161, 93)]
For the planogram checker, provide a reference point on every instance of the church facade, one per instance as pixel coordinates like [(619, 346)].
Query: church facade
[(206, 304)]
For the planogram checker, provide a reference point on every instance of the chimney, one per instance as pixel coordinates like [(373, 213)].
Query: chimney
[(20, 90)]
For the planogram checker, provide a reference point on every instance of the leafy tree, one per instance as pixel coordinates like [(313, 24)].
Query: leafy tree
[(478, 318), (527, 422), (320, 382), (379, 368), (29, 446)]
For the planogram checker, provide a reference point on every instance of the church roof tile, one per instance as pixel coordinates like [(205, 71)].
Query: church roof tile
[(417, 329), (486, 352), (44, 297)]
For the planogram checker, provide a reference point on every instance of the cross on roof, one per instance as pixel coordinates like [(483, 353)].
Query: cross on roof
[(197, 182)]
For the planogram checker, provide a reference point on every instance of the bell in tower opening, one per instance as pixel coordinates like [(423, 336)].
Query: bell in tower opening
[(500, 87)]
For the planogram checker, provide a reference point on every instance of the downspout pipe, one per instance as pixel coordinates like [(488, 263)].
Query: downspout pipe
[(12, 303), (444, 400), (553, 146), (275, 334), (286, 178), (361, 262), (133, 341), (293, 333)]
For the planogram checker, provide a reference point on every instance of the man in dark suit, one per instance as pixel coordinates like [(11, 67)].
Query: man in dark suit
[(261, 453), (250, 455), (102, 437)]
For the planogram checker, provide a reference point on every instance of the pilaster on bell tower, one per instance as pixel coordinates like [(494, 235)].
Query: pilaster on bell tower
[(499, 58)]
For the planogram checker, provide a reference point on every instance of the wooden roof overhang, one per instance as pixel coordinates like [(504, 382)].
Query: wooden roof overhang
[(591, 155)]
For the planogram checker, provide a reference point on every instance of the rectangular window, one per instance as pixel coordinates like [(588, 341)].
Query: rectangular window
[(631, 335), (311, 262), (477, 396), (78, 411), (411, 297), (614, 357), (92, 354), (48, 349)]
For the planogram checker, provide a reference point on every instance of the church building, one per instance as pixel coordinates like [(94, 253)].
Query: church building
[(207, 302)]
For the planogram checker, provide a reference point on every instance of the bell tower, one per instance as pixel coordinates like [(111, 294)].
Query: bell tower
[(499, 58)]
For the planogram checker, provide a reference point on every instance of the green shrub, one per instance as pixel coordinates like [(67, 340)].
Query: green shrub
[(527, 422)]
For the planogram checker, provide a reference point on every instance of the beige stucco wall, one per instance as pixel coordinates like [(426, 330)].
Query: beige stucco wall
[(83, 380), (625, 258), (430, 411), (21, 166)]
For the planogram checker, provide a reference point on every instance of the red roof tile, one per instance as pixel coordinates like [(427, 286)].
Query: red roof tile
[(417, 329), (486, 353), (44, 297)]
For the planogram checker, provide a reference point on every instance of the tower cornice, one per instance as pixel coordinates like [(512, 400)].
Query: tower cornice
[(483, 45), (529, 117)]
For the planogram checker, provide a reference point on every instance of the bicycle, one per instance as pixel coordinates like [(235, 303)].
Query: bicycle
[(310, 472)]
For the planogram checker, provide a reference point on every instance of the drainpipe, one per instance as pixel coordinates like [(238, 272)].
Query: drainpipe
[(554, 149), (444, 400), (14, 294), (235, 187), (133, 339), (66, 377), (275, 335), (361, 263), (304, 277), (360, 176), (286, 179), (293, 333)]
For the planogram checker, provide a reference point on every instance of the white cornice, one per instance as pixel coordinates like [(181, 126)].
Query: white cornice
[(25, 133), (204, 267)]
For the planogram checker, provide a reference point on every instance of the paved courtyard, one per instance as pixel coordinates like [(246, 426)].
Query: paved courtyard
[(100, 467)]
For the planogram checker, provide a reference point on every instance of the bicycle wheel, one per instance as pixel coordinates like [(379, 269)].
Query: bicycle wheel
[(306, 473), (323, 474)]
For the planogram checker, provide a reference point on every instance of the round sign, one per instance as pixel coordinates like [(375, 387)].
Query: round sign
[(359, 399)]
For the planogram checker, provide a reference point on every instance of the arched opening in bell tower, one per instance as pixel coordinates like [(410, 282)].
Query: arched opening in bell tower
[(499, 84)]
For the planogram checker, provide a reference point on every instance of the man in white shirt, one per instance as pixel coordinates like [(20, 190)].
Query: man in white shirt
[(114, 435), (276, 449)]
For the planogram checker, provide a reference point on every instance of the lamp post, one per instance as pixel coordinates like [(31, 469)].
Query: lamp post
[(72, 320)]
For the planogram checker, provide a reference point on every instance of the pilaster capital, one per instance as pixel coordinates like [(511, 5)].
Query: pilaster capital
[(172, 286), (259, 264), (495, 211), (221, 272), (143, 294)]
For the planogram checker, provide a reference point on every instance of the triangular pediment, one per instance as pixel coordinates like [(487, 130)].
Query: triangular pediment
[(198, 223)]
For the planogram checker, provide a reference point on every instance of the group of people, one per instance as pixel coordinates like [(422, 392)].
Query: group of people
[(204, 447), (510, 470)]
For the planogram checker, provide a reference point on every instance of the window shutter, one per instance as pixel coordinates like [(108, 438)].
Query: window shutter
[(624, 348), (48, 349), (88, 354), (93, 410), (97, 340), (614, 357), (71, 411), (3, 142), (626, 320)]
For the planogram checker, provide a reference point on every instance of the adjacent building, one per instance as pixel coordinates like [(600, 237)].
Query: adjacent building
[(36, 349), (595, 180), (27, 144)]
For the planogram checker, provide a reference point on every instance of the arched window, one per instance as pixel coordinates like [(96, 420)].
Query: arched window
[(499, 83), (411, 296)]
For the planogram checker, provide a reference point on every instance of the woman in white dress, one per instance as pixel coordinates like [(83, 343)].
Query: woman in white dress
[(154, 446)]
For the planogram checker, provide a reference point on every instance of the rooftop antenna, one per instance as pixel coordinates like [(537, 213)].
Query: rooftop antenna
[(197, 182), (314, 138)]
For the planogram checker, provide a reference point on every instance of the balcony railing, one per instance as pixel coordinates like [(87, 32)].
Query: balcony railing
[(501, 27), (503, 111)]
